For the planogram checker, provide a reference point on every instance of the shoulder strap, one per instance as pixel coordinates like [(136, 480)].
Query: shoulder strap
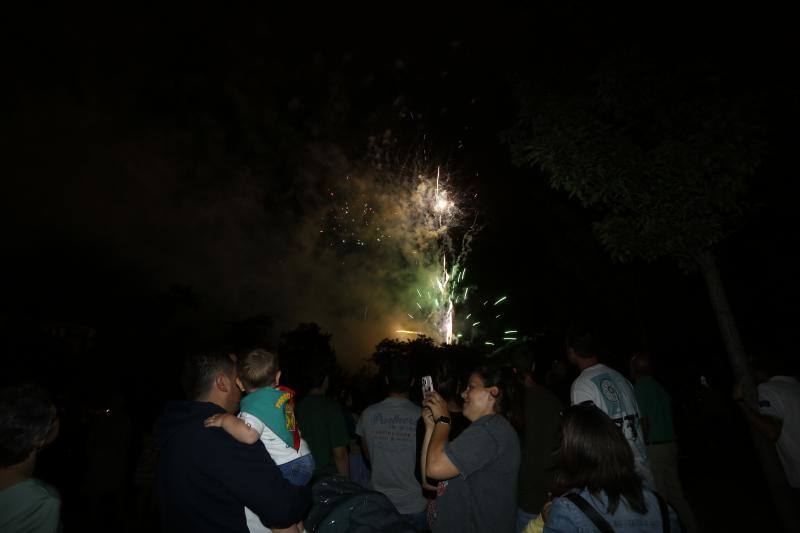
[(590, 512), (662, 506)]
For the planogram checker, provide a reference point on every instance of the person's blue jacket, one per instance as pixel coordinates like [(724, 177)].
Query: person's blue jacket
[(566, 517), (206, 477)]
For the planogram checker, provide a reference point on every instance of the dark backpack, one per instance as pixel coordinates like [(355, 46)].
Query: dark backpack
[(341, 505)]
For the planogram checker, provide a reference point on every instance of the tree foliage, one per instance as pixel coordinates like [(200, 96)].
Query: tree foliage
[(662, 153), (306, 354)]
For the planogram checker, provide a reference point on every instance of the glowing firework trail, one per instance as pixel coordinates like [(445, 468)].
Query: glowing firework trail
[(447, 322), (437, 213), (492, 331)]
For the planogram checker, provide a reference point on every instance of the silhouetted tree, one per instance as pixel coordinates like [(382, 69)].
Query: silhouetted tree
[(306, 352), (251, 331), (663, 156)]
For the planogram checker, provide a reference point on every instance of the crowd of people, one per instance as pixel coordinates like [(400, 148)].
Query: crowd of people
[(489, 448)]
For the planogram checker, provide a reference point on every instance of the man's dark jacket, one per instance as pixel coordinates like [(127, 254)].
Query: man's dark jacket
[(206, 477)]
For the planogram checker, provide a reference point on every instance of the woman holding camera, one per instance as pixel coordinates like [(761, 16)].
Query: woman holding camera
[(481, 465)]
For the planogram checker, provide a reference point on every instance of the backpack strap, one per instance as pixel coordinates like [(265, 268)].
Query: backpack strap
[(590, 512), (662, 506)]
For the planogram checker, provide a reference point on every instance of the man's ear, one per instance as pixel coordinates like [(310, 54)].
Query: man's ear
[(222, 382), (494, 391)]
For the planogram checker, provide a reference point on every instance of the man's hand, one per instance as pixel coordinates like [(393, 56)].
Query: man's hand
[(767, 425), (342, 459)]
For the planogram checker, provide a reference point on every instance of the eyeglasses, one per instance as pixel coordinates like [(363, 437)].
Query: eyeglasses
[(470, 386)]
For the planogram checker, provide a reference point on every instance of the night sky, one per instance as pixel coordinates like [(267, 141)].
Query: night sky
[(166, 174)]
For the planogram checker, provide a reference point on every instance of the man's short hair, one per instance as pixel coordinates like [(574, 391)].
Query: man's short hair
[(314, 375), (258, 368), (398, 374), (582, 340), (522, 358), (26, 418), (199, 372)]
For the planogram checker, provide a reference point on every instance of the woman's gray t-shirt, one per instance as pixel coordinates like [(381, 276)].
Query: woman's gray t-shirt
[(483, 496)]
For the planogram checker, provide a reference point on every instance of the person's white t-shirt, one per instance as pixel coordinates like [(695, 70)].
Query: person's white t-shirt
[(280, 453), (613, 394), (277, 448), (780, 397)]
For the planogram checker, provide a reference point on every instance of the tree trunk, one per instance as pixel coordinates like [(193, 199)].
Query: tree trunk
[(765, 450)]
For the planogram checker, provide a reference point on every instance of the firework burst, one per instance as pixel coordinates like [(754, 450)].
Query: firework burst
[(440, 214), (413, 233)]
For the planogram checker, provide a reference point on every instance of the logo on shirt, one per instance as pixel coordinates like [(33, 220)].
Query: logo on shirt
[(609, 391), (282, 399), (291, 421)]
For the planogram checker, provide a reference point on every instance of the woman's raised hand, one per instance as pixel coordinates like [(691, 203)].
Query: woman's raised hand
[(436, 404), (427, 417)]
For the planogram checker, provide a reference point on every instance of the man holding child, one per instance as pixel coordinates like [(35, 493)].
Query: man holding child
[(207, 477)]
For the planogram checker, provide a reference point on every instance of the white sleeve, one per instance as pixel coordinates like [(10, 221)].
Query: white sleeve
[(582, 391), (253, 421), (768, 402)]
